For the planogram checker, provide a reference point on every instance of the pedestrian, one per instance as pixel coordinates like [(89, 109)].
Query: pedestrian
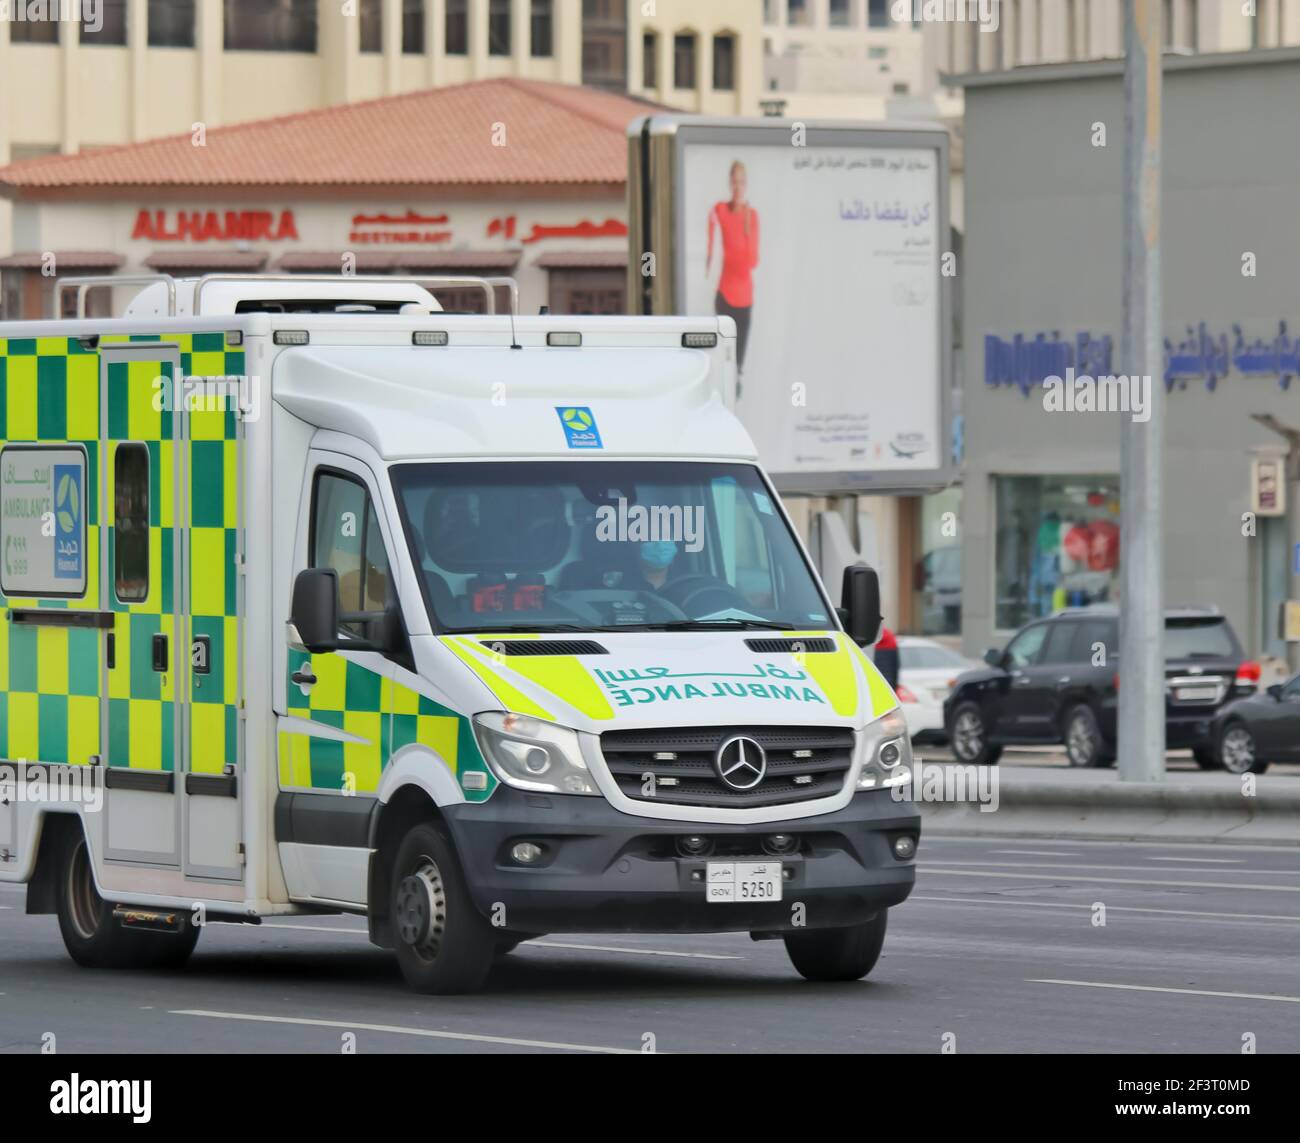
[(886, 657)]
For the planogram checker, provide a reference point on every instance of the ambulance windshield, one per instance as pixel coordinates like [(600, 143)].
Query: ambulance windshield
[(603, 545)]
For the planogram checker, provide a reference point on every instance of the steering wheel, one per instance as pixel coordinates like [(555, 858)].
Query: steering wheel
[(690, 588)]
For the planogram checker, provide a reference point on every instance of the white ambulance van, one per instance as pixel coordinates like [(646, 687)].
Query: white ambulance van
[(317, 599)]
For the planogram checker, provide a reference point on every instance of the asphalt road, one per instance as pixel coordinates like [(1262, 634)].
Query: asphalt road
[(997, 947)]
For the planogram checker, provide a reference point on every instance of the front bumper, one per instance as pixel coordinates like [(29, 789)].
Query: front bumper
[(607, 871)]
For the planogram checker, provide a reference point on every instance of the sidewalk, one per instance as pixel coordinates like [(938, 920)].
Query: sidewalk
[(1094, 804)]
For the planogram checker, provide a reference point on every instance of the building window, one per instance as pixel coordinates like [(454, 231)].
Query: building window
[(412, 27), (171, 23), (799, 13), (499, 21), (1057, 545), (109, 27), (1167, 18), (11, 295), (595, 291), (131, 523), (684, 62), (649, 60), (724, 63), (372, 26), (29, 31), (270, 26), (936, 570), (456, 28), (604, 44), (840, 14), (1193, 25), (878, 14), (542, 22)]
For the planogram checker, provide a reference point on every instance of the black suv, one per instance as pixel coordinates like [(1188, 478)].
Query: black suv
[(1058, 682)]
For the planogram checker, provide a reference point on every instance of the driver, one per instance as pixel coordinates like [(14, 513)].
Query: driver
[(656, 562)]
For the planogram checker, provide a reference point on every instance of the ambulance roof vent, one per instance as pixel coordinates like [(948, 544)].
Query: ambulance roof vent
[(543, 646)]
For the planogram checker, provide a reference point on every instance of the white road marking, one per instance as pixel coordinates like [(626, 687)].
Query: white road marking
[(1176, 991), (642, 952), (1201, 860), (1109, 908), (1118, 868), (1033, 853), (400, 1030), (1094, 843), (1109, 880)]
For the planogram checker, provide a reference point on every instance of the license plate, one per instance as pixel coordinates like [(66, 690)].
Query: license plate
[(1195, 694), (742, 881)]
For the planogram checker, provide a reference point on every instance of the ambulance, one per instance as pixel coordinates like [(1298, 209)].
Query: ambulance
[(318, 599)]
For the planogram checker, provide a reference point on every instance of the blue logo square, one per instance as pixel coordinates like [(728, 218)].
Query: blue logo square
[(579, 425)]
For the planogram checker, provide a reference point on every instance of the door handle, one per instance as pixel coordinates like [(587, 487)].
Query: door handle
[(1021, 681), (304, 677), (160, 653)]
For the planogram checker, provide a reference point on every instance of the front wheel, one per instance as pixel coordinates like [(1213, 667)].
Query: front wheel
[(838, 954), (93, 936), (444, 945), (1238, 753), (969, 737)]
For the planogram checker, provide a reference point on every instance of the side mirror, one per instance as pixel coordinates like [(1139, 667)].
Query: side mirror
[(314, 611), (993, 657), (1276, 691), (861, 604)]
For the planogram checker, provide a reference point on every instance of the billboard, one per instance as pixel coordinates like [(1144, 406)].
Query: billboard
[(824, 244)]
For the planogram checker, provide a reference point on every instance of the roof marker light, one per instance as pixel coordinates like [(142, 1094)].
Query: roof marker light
[(564, 340), (430, 337), (699, 341), (292, 337)]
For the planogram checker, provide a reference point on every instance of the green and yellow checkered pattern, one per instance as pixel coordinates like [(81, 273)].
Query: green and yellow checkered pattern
[(382, 715), (50, 678)]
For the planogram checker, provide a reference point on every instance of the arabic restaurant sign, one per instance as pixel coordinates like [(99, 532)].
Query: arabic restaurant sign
[(43, 521), (1202, 355)]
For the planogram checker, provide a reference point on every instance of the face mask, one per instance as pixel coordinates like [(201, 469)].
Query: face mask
[(658, 553)]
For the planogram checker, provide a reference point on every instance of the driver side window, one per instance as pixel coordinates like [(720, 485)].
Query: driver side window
[(345, 536), (1026, 647)]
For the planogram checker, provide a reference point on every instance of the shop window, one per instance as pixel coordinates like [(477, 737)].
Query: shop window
[(936, 567), (270, 26), (171, 23), (131, 523), (413, 27), (456, 28), (1057, 545), (601, 291), (372, 26), (724, 63), (684, 62), (543, 29), (499, 27), (108, 26)]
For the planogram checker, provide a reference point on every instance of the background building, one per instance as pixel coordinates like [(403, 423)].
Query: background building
[(159, 67)]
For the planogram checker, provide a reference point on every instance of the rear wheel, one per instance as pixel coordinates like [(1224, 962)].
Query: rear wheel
[(970, 737), (93, 936), (443, 943), (1084, 745), (1238, 753), (838, 954), (1206, 758)]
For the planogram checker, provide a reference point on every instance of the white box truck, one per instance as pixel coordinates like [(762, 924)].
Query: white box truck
[(318, 599)]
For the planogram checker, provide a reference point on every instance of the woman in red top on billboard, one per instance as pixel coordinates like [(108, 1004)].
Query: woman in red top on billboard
[(738, 222)]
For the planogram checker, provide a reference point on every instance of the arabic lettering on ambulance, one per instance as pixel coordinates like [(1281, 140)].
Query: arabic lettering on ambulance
[(1024, 361), (711, 685)]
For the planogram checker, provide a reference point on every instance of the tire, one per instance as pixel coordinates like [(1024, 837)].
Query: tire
[(1206, 758), (1237, 751), (1084, 745), (969, 737), (91, 934), (838, 954), (444, 946)]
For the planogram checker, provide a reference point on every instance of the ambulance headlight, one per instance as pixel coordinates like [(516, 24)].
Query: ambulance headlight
[(886, 751), (530, 754)]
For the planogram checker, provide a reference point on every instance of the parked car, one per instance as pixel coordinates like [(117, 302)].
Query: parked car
[(1251, 732), (1058, 681), (926, 674)]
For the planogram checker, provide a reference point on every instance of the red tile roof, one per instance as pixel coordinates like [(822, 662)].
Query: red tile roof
[(553, 135)]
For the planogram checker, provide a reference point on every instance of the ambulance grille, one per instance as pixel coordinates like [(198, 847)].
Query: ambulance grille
[(819, 756)]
